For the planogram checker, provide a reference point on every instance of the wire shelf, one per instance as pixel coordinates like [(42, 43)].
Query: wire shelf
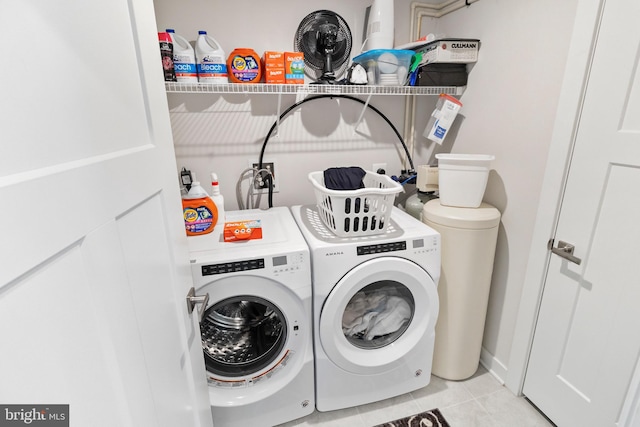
[(266, 88)]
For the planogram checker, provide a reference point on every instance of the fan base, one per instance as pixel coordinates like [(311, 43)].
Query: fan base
[(326, 79)]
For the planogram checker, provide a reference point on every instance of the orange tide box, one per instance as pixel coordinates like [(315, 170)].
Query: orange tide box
[(242, 230), (294, 67)]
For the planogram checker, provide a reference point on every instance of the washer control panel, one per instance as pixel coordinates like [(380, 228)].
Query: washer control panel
[(288, 263), (277, 264), (232, 267)]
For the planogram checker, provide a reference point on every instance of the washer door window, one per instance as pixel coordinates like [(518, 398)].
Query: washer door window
[(377, 313), (242, 335)]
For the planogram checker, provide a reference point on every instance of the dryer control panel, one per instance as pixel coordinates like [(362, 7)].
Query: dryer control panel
[(382, 247)]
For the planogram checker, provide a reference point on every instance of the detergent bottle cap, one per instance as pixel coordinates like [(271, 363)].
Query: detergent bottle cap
[(196, 191), (202, 32), (170, 30)]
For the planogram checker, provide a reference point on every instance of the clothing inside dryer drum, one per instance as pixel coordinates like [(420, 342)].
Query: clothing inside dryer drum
[(378, 314), (242, 335)]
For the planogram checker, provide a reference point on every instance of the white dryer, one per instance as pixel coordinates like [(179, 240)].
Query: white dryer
[(375, 306), (256, 330)]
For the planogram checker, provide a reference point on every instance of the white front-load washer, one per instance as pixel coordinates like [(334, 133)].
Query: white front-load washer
[(257, 330), (375, 306)]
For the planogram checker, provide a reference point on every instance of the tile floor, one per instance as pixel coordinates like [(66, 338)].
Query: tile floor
[(480, 401)]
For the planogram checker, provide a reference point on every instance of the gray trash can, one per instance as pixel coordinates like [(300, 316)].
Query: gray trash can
[(469, 237)]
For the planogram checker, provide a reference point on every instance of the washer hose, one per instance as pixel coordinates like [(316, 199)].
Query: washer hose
[(311, 98)]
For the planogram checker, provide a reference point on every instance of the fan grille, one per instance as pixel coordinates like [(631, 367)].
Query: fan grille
[(312, 31)]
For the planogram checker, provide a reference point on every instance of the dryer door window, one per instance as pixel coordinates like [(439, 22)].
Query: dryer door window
[(378, 314), (242, 335)]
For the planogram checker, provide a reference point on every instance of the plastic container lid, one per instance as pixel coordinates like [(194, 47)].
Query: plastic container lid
[(465, 161), (401, 54), (483, 217)]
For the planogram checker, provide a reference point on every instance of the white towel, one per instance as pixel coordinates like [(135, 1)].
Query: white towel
[(397, 311), (356, 307), (363, 324), (361, 304), (374, 314)]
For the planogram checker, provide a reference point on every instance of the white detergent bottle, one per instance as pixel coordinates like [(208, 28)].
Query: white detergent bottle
[(184, 59), (212, 62), (217, 198)]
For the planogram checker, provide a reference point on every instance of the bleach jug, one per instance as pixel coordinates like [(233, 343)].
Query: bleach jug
[(184, 58), (199, 212), (212, 62)]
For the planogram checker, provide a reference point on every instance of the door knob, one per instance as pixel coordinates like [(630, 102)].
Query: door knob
[(193, 300), (564, 250)]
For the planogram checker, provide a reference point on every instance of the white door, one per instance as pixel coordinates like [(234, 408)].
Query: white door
[(586, 343), (93, 259)]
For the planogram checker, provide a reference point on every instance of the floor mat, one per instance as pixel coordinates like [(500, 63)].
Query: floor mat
[(432, 418)]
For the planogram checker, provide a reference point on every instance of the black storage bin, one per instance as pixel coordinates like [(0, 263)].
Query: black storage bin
[(442, 74)]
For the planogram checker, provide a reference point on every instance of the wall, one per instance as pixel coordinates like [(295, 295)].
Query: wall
[(509, 108), (224, 133)]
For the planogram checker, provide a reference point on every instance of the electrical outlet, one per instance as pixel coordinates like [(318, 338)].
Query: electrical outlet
[(259, 181), (379, 166)]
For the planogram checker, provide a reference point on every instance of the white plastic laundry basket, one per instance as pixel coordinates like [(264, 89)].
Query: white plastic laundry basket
[(352, 213), (462, 178)]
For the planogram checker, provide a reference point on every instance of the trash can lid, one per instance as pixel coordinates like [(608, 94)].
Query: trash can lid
[(484, 216)]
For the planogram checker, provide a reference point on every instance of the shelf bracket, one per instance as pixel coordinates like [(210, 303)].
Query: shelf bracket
[(364, 108), (278, 113)]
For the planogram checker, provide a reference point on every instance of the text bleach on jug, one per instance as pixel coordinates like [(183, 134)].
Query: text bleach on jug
[(184, 58), (212, 62)]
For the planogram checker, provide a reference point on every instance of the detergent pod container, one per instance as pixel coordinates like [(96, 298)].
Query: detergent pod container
[(211, 65), (244, 66), (199, 211), (184, 58)]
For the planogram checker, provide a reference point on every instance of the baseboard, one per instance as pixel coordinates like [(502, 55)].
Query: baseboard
[(493, 365)]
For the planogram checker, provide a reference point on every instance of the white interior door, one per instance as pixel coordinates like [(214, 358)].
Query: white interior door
[(586, 343), (94, 266)]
